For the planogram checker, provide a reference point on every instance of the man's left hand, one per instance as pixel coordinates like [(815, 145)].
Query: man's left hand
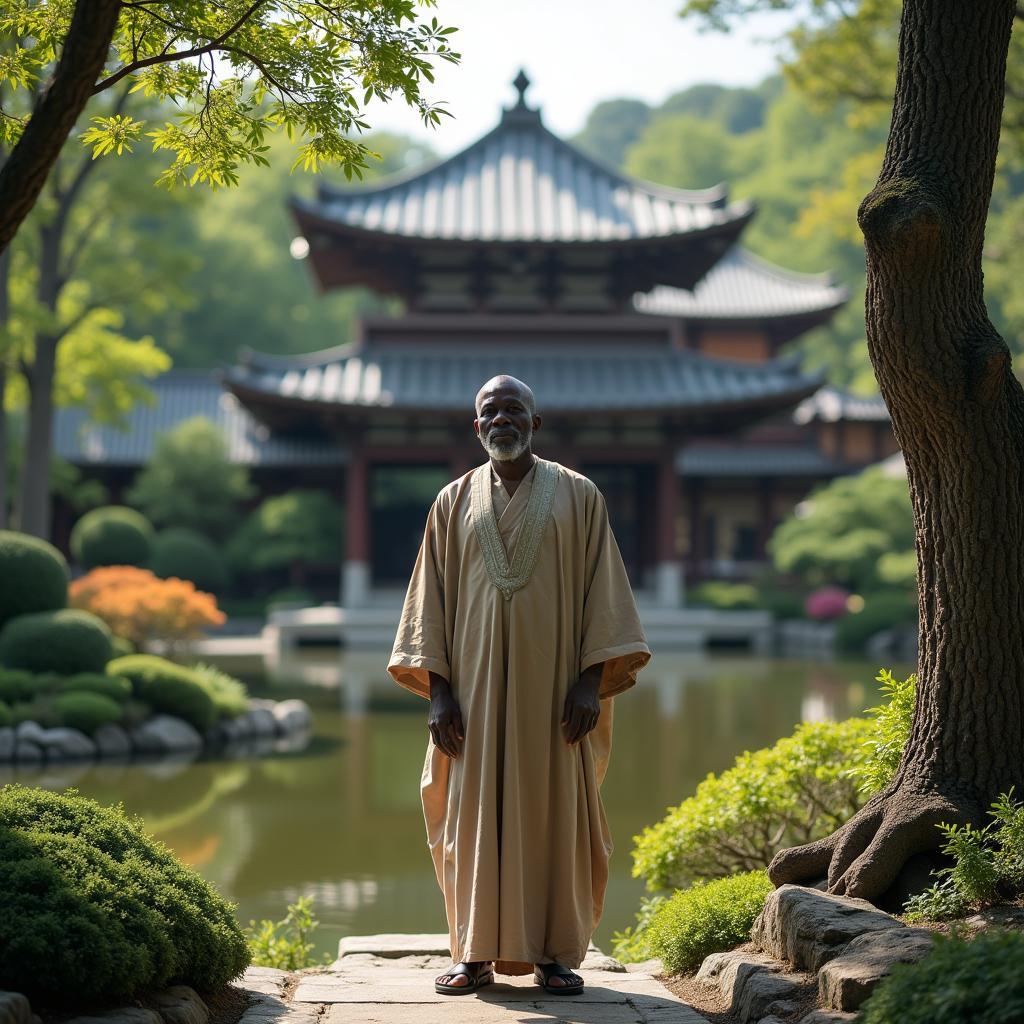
[(582, 708)]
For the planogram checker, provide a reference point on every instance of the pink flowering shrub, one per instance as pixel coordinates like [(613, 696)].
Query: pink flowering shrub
[(826, 604)]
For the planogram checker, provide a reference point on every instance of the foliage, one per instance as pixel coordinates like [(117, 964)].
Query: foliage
[(115, 688), (92, 909), (708, 917), (188, 555), (891, 730), (886, 609), (18, 685), (114, 535), (6, 718), (166, 687), (300, 527), (701, 155), (190, 480), (844, 529), (65, 641), (826, 604), (228, 694), (286, 944), (611, 128), (34, 574), (630, 945), (976, 981), (725, 596), (785, 795), (86, 711), (141, 608), (290, 596)]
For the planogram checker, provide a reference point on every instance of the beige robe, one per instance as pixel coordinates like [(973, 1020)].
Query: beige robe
[(515, 824)]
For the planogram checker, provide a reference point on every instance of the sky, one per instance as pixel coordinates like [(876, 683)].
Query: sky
[(576, 53)]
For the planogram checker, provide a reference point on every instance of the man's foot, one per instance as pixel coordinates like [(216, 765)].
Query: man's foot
[(558, 980), (464, 978)]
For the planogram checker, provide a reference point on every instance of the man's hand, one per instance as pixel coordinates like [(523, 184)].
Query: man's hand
[(582, 706), (444, 718)]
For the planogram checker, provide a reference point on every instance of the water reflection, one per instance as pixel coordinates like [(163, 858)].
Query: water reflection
[(341, 820)]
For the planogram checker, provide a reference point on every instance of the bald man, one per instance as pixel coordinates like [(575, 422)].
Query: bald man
[(520, 627)]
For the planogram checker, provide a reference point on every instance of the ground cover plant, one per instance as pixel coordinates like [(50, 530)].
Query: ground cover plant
[(286, 945)]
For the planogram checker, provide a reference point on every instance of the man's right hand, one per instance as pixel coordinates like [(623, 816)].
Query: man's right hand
[(444, 719)]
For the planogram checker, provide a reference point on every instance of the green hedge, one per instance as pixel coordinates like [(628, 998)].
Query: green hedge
[(86, 711), (189, 556), (65, 641), (93, 911), (115, 688), (166, 687), (732, 597), (34, 575), (886, 609), (112, 535), (17, 685)]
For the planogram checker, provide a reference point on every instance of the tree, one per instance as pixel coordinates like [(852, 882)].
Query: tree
[(958, 413), (612, 127), (681, 150), (236, 70)]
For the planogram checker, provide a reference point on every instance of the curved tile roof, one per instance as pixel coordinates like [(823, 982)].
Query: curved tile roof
[(746, 460), (741, 286), (830, 405)]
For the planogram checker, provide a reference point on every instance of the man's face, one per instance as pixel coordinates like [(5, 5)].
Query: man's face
[(504, 423)]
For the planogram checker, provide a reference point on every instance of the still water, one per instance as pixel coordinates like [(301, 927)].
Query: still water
[(340, 821)]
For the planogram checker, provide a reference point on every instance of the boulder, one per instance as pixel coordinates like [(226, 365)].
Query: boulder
[(8, 738), (828, 1017), (123, 1015), (846, 982), (163, 734), (292, 715), (27, 752), (808, 928), (68, 745), (14, 1008), (263, 722), (180, 1004), (753, 984), (112, 741), (32, 732)]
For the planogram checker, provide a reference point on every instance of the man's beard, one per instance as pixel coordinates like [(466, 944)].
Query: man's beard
[(508, 449)]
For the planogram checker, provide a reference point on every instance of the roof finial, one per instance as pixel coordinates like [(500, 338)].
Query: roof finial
[(522, 83)]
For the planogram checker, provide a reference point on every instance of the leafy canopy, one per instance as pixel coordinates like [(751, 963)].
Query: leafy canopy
[(235, 71)]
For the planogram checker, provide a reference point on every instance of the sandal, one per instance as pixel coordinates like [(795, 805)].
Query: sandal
[(482, 974), (543, 973)]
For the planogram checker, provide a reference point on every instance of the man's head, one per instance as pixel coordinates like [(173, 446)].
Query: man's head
[(506, 418)]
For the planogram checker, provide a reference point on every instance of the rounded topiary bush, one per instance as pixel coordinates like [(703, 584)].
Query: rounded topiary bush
[(93, 910), (66, 641), (18, 685), (6, 718), (86, 712), (189, 556), (976, 980), (113, 535), (166, 687), (34, 576), (112, 687)]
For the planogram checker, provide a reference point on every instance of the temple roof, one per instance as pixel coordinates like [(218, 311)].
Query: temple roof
[(742, 286), (829, 405), (754, 460)]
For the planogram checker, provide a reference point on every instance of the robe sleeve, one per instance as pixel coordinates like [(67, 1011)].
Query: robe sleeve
[(421, 646), (611, 633)]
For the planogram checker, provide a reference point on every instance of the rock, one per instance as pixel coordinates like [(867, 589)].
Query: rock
[(123, 1015), (164, 733), (68, 745), (595, 960), (292, 715), (997, 917), (180, 1004), (828, 1017), (263, 722), (32, 732), (26, 752), (8, 738), (750, 982), (14, 1008), (846, 982), (808, 928), (239, 728), (393, 945), (112, 741)]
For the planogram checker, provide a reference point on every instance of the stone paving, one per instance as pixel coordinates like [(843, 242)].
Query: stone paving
[(388, 979)]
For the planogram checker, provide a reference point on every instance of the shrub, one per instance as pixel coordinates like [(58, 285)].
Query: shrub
[(290, 595), (783, 604), (978, 981), (791, 793), (17, 685), (86, 711), (115, 688), (299, 528), (34, 574), (40, 710), (286, 944), (6, 718), (167, 687), (707, 918), (65, 641), (93, 910), (228, 694), (732, 597), (113, 535), (883, 610), (187, 555), (826, 604), (890, 734)]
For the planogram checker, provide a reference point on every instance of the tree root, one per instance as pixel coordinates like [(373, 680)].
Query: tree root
[(864, 857)]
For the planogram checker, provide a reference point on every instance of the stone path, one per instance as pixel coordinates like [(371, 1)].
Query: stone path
[(388, 979)]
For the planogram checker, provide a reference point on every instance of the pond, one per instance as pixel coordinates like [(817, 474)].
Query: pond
[(341, 820)]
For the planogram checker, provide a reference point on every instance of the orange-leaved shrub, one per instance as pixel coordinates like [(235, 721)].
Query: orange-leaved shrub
[(142, 608)]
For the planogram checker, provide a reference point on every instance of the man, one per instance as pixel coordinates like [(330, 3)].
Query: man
[(520, 627)]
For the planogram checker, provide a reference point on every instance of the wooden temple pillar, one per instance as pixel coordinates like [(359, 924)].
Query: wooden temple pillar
[(669, 590), (355, 569)]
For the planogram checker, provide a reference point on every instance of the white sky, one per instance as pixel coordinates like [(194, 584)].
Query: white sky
[(576, 53)]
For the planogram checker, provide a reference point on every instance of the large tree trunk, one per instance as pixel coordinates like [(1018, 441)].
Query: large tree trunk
[(958, 413)]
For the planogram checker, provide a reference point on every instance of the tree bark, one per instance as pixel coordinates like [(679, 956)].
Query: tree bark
[(958, 414), (81, 62)]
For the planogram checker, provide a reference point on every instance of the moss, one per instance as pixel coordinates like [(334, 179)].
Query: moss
[(34, 574)]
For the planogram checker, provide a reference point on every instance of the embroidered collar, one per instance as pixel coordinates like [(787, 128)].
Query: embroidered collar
[(510, 577)]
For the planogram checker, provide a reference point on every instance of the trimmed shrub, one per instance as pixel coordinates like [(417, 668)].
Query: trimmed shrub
[(86, 711), (166, 687), (93, 910), (707, 918), (66, 641), (732, 597), (228, 694), (6, 718), (113, 535), (883, 610), (17, 685), (976, 981), (826, 604), (40, 710), (121, 646), (189, 556), (34, 574), (115, 688)]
